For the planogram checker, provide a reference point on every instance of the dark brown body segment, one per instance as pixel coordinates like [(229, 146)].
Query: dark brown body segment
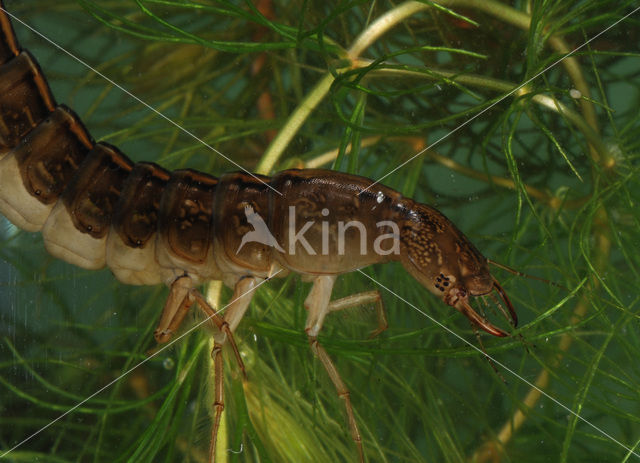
[(185, 224), (91, 196), (135, 218), (238, 196), (50, 154), (25, 99)]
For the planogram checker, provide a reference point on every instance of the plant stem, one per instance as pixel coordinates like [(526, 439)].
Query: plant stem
[(392, 18), (300, 115)]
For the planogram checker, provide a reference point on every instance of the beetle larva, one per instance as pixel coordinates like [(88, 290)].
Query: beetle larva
[(96, 208)]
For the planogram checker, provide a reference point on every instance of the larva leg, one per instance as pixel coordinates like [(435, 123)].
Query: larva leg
[(317, 304), (182, 295), (242, 294), (218, 402), (359, 299), (175, 309)]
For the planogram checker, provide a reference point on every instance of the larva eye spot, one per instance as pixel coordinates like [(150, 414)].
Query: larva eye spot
[(444, 284)]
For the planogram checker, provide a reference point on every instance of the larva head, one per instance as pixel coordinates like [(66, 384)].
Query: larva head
[(443, 260)]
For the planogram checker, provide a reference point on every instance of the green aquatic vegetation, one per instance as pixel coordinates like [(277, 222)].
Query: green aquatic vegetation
[(539, 173)]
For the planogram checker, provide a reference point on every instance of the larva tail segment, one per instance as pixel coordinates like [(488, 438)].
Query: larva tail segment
[(25, 99), (9, 47)]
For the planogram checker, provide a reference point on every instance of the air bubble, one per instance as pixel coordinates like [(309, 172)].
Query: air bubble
[(168, 363)]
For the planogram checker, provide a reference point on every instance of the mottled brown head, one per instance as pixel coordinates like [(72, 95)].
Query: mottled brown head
[(444, 261)]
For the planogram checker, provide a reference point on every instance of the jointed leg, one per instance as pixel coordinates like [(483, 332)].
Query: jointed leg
[(175, 309), (318, 305), (218, 402), (182, 295), (242, 294)]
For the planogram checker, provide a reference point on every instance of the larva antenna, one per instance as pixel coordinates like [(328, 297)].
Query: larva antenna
[(526, 275)]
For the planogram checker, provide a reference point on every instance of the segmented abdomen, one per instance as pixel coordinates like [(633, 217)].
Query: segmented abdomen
[(95, 207)]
